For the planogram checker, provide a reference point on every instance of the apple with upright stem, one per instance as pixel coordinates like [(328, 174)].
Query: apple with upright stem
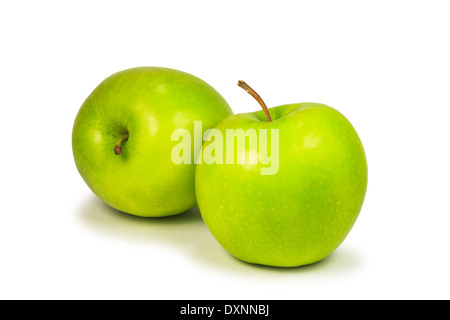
[(122, 138), (301, 212)]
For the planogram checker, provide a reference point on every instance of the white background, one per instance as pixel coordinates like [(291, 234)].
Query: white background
[(383, 64)]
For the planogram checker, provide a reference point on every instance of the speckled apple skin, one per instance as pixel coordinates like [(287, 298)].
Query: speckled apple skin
[(148, 103), (304, 212)]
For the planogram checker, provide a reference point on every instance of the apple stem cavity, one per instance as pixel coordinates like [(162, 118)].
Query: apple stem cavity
[(119, 145), (253, 93)]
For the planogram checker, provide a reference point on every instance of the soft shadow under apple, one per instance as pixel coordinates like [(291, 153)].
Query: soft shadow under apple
[(177, 229), (188, 233)]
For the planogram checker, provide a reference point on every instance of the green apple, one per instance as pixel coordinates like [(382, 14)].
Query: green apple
[(300, 212), (122, 138)]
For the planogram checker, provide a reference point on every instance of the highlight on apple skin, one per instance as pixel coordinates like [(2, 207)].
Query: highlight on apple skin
[(122, 144), (304, 211)]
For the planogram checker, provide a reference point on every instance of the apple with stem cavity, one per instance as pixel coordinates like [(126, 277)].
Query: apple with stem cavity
[(122, 138), (301, 210)]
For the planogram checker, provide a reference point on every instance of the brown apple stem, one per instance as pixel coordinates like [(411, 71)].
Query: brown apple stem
[(253, 93), (119, 145)]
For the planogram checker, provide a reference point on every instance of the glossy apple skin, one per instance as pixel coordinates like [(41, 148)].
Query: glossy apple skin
[(304, 212), (148, 103)]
